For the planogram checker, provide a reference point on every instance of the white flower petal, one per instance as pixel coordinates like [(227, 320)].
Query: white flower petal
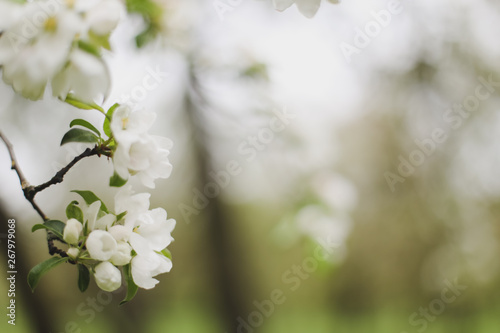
[(145, 267), (126, 200), (86, 77), (282, 4), (308, 7), (91, 214), (101, 245), (73, 252), (158, 234), (139, 244), (72, 231), (104, 17), (105, 222), (120, 233), (122, 255), (107, 276)]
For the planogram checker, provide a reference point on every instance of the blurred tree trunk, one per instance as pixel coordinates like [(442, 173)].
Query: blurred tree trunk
[(221, 238), (38, 314)]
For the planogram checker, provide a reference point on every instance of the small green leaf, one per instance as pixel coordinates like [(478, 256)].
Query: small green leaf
[(120, 216), (152, 14), (74, 212), (89, 48), (167, 253), (79, 135), (57, 227), (256, 71), (90, 198), (39, 270), (86, 124), (107, 122), (117, 181), (131, 286), (99, 40), (72, 100), (146, 36), (83, 277)]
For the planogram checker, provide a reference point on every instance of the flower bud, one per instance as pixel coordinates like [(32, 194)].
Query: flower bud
[(107, 276), (73, 252), (101, 245), (122, 255), (72, 231)]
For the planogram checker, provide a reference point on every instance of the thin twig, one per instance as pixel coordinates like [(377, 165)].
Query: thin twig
[(30, 191), (24, 183), (14, 166), (59, 176)]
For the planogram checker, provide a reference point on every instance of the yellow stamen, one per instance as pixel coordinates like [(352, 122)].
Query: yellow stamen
[(124, 123), (50, 24)]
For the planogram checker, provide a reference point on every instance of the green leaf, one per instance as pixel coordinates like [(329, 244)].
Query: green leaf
[(79, 135), (86, 124), (107, 122), (99, 40), (90, 198), (256, 71), (117, 181), (89, 48), (120, 216), (146, 8), (39, 270), (167, 253), (57, 227), (72, 100), (146, 36), (83, 277), (74, 212), (131, 286), (152, 14)]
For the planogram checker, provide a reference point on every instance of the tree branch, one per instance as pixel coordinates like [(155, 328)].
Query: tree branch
[(24, 183), (14, 166), (30, 191), (59, 176)]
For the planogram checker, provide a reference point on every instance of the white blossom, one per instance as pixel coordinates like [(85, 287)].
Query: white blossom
[(36, 47), (107, 276), (152, 235), (148, 232), (307, 7), (101, 245), (41, 43), (127, 201), (72, 231), (94, 221), (122, 254), (9, 13), (103, 17), (146, 266), (152, 230), (73, 252), (137, 152), (85, 75)]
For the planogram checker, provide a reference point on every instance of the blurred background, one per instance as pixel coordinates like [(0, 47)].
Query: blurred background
[(334, 174)]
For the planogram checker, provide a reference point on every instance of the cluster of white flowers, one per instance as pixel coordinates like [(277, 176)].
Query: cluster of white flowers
[(307, 7), (57, 42), (139, 238), (138, 152)]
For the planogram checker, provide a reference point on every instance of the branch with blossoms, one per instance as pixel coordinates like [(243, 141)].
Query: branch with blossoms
[(98, 240), (58, 46)]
